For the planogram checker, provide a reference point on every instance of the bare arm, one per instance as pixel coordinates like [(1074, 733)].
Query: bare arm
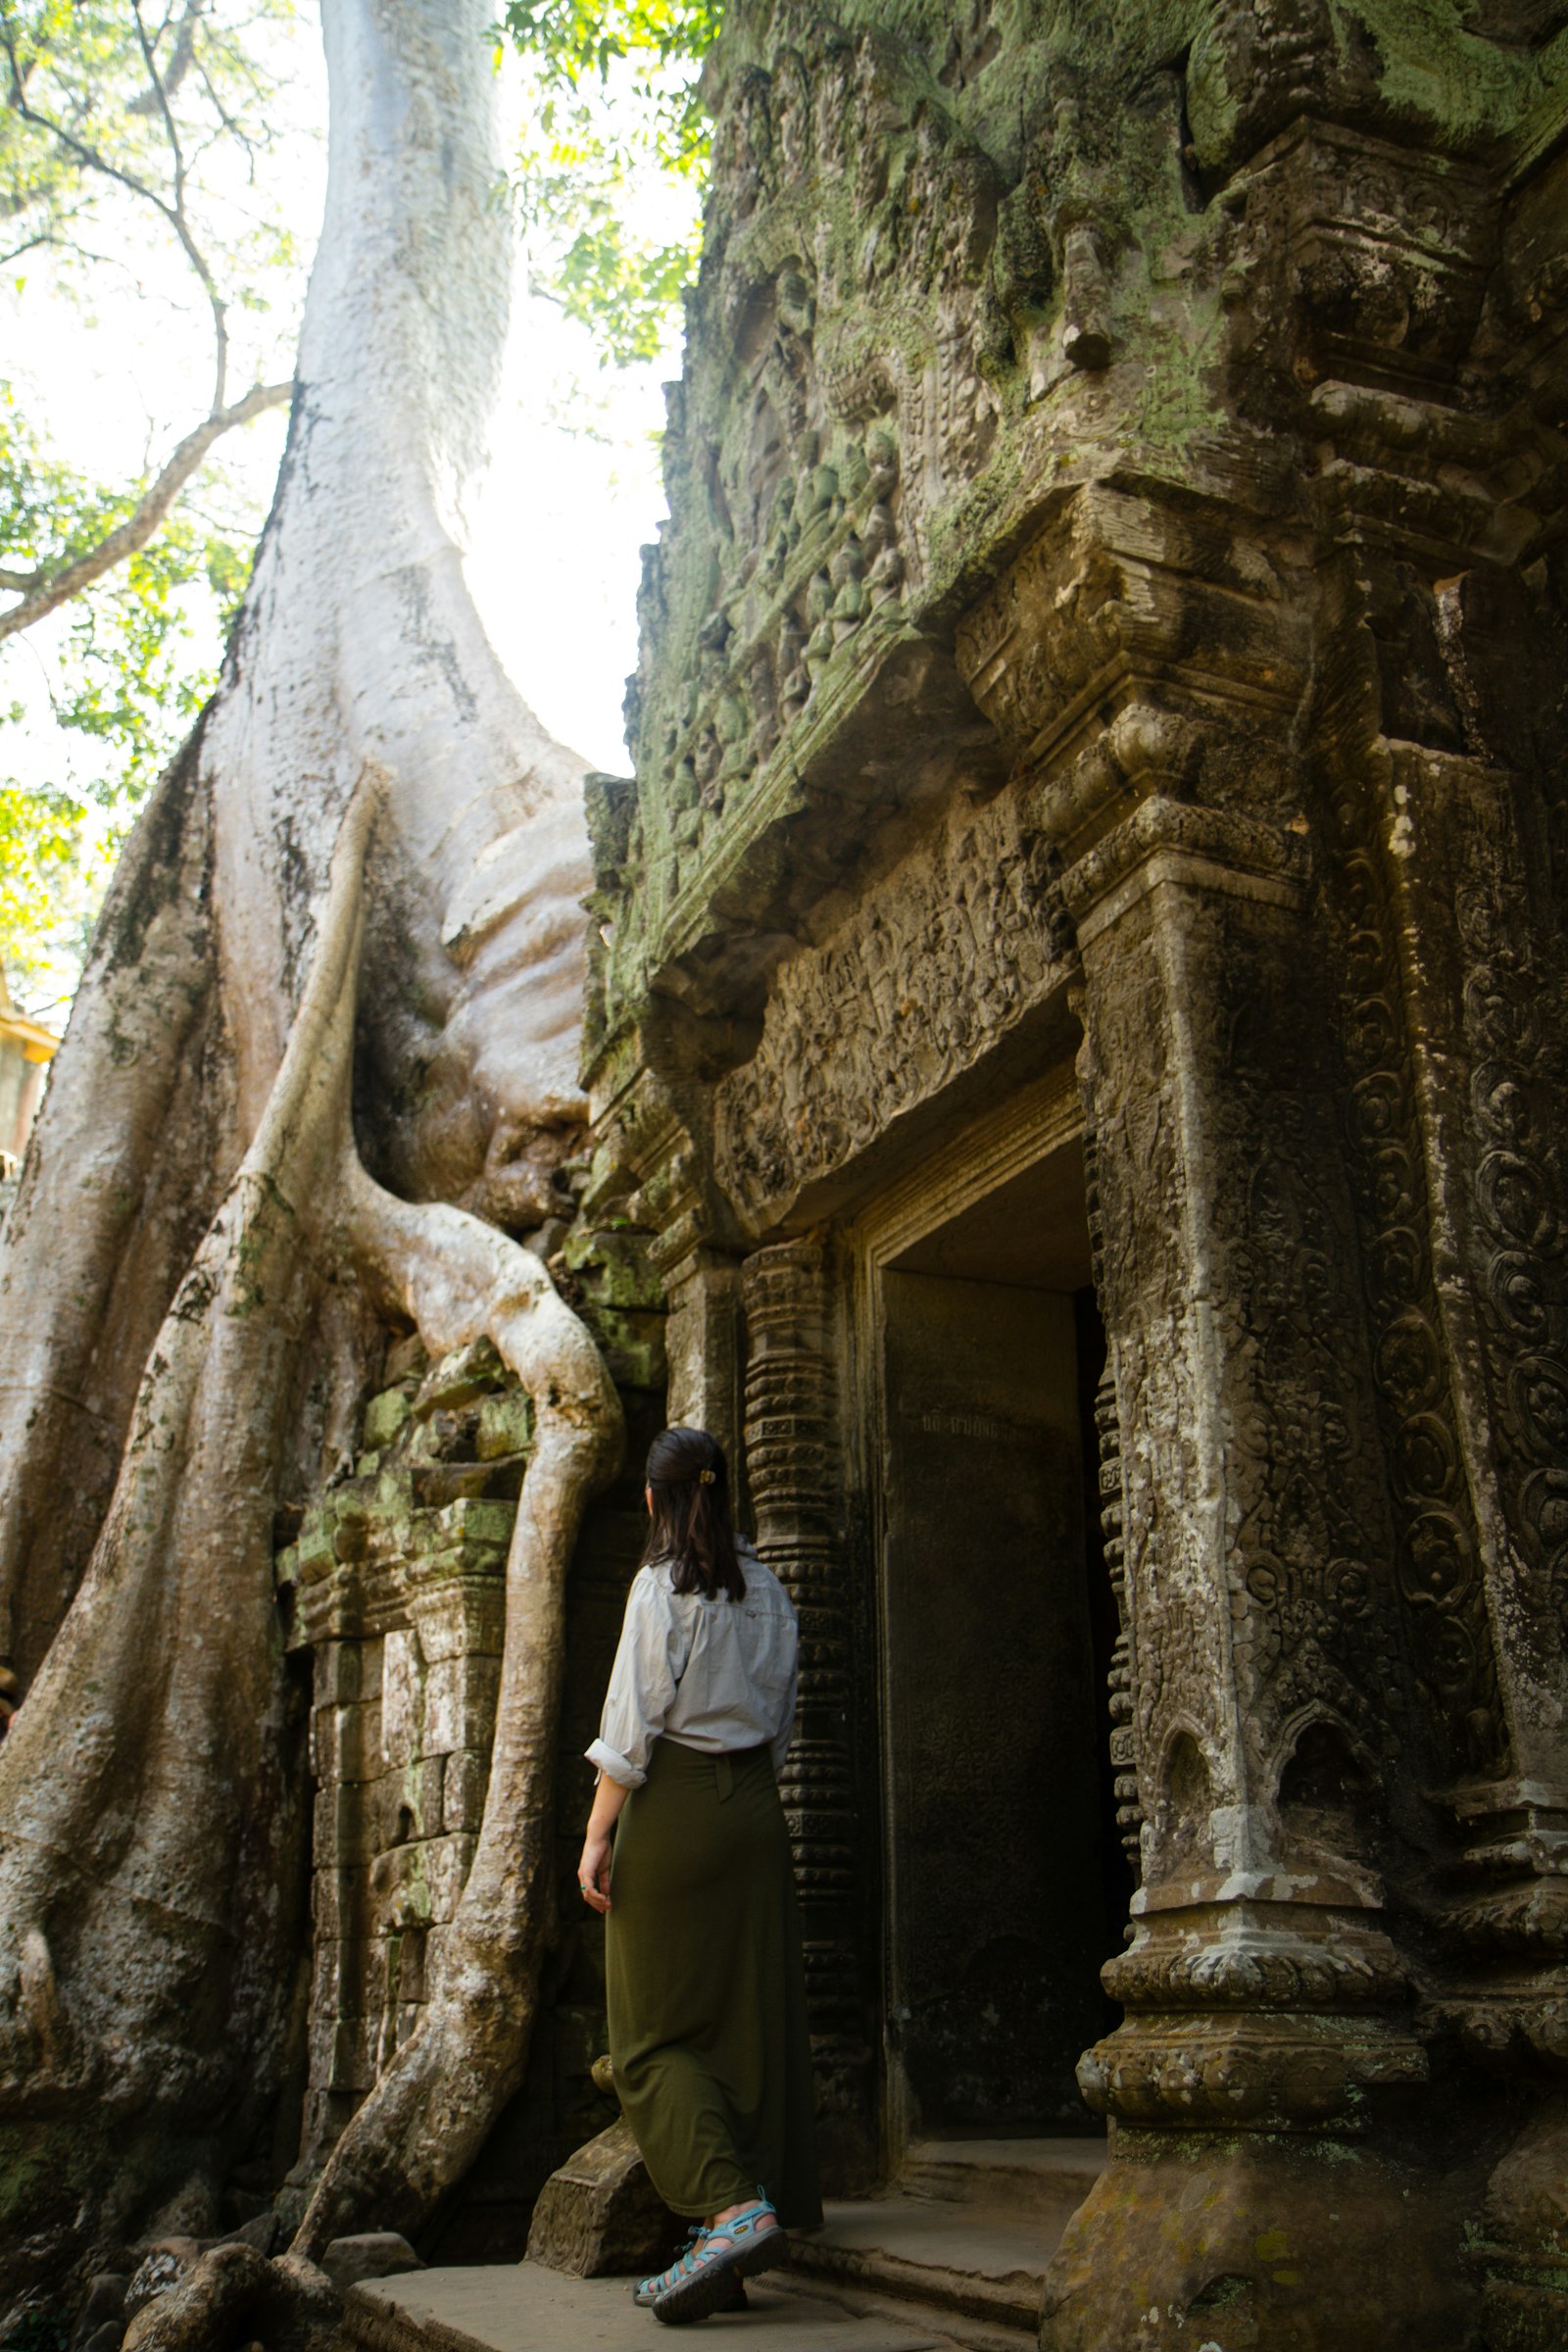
[(593, 1871)]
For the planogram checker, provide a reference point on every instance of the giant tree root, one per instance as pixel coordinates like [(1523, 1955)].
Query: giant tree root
[(427, 2117), (232, 2298), (133, 1763), (187, 1336)]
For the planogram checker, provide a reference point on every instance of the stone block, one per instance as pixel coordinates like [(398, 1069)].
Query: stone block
[(402, 1695), (448, 1435), (632, 1343), (450, 1543), (399, 1886), (386, 1416), (333, 1992), (466, 1614), (600, 2214), (376, 1974), (338, 1898), (460, 1704), (499, 1480), (461, 1378), (337, 1673), (344, 1826), (468, 1778), (351, 1537), (411, 1973), (400, 1806), (445, 1863), (483, 1523), (418, 1791), (355, 2048), (315, 1552), (346, 1742), (435, 1960), (375, 2254), (406, 1359), (506, 1425), (615, 1268)]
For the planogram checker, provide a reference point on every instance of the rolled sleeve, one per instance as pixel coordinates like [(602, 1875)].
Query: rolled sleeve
[(614, 1767), (642, 1683)]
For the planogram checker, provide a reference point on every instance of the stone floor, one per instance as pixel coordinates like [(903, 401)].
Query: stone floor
[(527, 2308), (954, 2258)]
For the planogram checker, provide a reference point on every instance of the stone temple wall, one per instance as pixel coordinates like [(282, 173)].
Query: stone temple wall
[(392, 1586), (1112, 623)]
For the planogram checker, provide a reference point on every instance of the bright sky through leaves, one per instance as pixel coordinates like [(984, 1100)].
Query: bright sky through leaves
[(115, 363)]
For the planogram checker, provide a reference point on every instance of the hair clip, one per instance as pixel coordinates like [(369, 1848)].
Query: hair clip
[(706, 1478)]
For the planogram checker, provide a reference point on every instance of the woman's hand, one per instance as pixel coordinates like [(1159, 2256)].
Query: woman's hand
[(593, 1871)]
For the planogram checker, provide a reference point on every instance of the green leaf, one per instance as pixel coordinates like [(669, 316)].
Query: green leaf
[(617, 120)]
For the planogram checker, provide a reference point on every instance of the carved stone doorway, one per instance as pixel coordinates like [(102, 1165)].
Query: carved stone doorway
[(1006, 1884)]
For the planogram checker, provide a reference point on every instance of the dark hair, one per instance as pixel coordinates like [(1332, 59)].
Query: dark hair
[(691, 1526)]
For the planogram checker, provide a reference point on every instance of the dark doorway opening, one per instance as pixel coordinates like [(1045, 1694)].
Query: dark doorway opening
[(1007, 1883)]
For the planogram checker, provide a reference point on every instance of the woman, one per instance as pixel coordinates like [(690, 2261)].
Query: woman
[(707, 2033)]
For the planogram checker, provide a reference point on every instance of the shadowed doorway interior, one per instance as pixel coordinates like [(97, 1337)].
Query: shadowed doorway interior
[(1007, 1886)]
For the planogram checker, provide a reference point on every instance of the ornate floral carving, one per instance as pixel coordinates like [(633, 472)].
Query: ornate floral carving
[(1438, 1554), (792, 1470)]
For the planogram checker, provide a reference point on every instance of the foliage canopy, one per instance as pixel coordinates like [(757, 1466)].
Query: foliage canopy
[(140, 156), (138, 148), (617, 137)]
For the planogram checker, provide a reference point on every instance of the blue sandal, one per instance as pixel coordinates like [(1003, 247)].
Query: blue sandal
[(645, 2290), (703, 2279)]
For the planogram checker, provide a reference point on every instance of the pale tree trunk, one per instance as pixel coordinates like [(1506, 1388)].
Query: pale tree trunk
[(236, 1180)]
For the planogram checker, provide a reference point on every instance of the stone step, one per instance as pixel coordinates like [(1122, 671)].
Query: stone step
[(1029, 2174), (525, 2308), (954, 2256), (957, 2255)]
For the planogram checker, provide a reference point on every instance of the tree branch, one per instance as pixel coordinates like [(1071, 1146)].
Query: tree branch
[(93, 159), (48, 591), (182, 228)]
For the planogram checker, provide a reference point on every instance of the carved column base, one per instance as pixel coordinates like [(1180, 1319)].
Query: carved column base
[(1256, 2016), (1251, 2074), (1510, 2010), (1522, 2260), (1258, 2243)]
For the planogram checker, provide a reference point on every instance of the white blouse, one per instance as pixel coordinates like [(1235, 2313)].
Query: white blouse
[(714, 1675)]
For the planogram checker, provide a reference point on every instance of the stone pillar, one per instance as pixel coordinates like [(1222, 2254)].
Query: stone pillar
[(793, 1467), (1456, 1035), (1266, 2005), (701, 1288)]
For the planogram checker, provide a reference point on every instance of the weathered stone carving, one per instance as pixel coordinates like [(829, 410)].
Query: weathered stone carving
[(1197, 413), (954, 947), (796, 1489)]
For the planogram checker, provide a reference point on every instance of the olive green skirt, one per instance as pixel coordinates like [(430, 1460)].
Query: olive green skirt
[(707, 2030)]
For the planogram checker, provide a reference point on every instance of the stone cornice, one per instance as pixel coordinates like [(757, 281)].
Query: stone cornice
[(1175, 840)]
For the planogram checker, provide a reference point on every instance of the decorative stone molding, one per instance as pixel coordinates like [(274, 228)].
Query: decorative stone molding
[(935, 967), (794, 1476), (1260, 1985)]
